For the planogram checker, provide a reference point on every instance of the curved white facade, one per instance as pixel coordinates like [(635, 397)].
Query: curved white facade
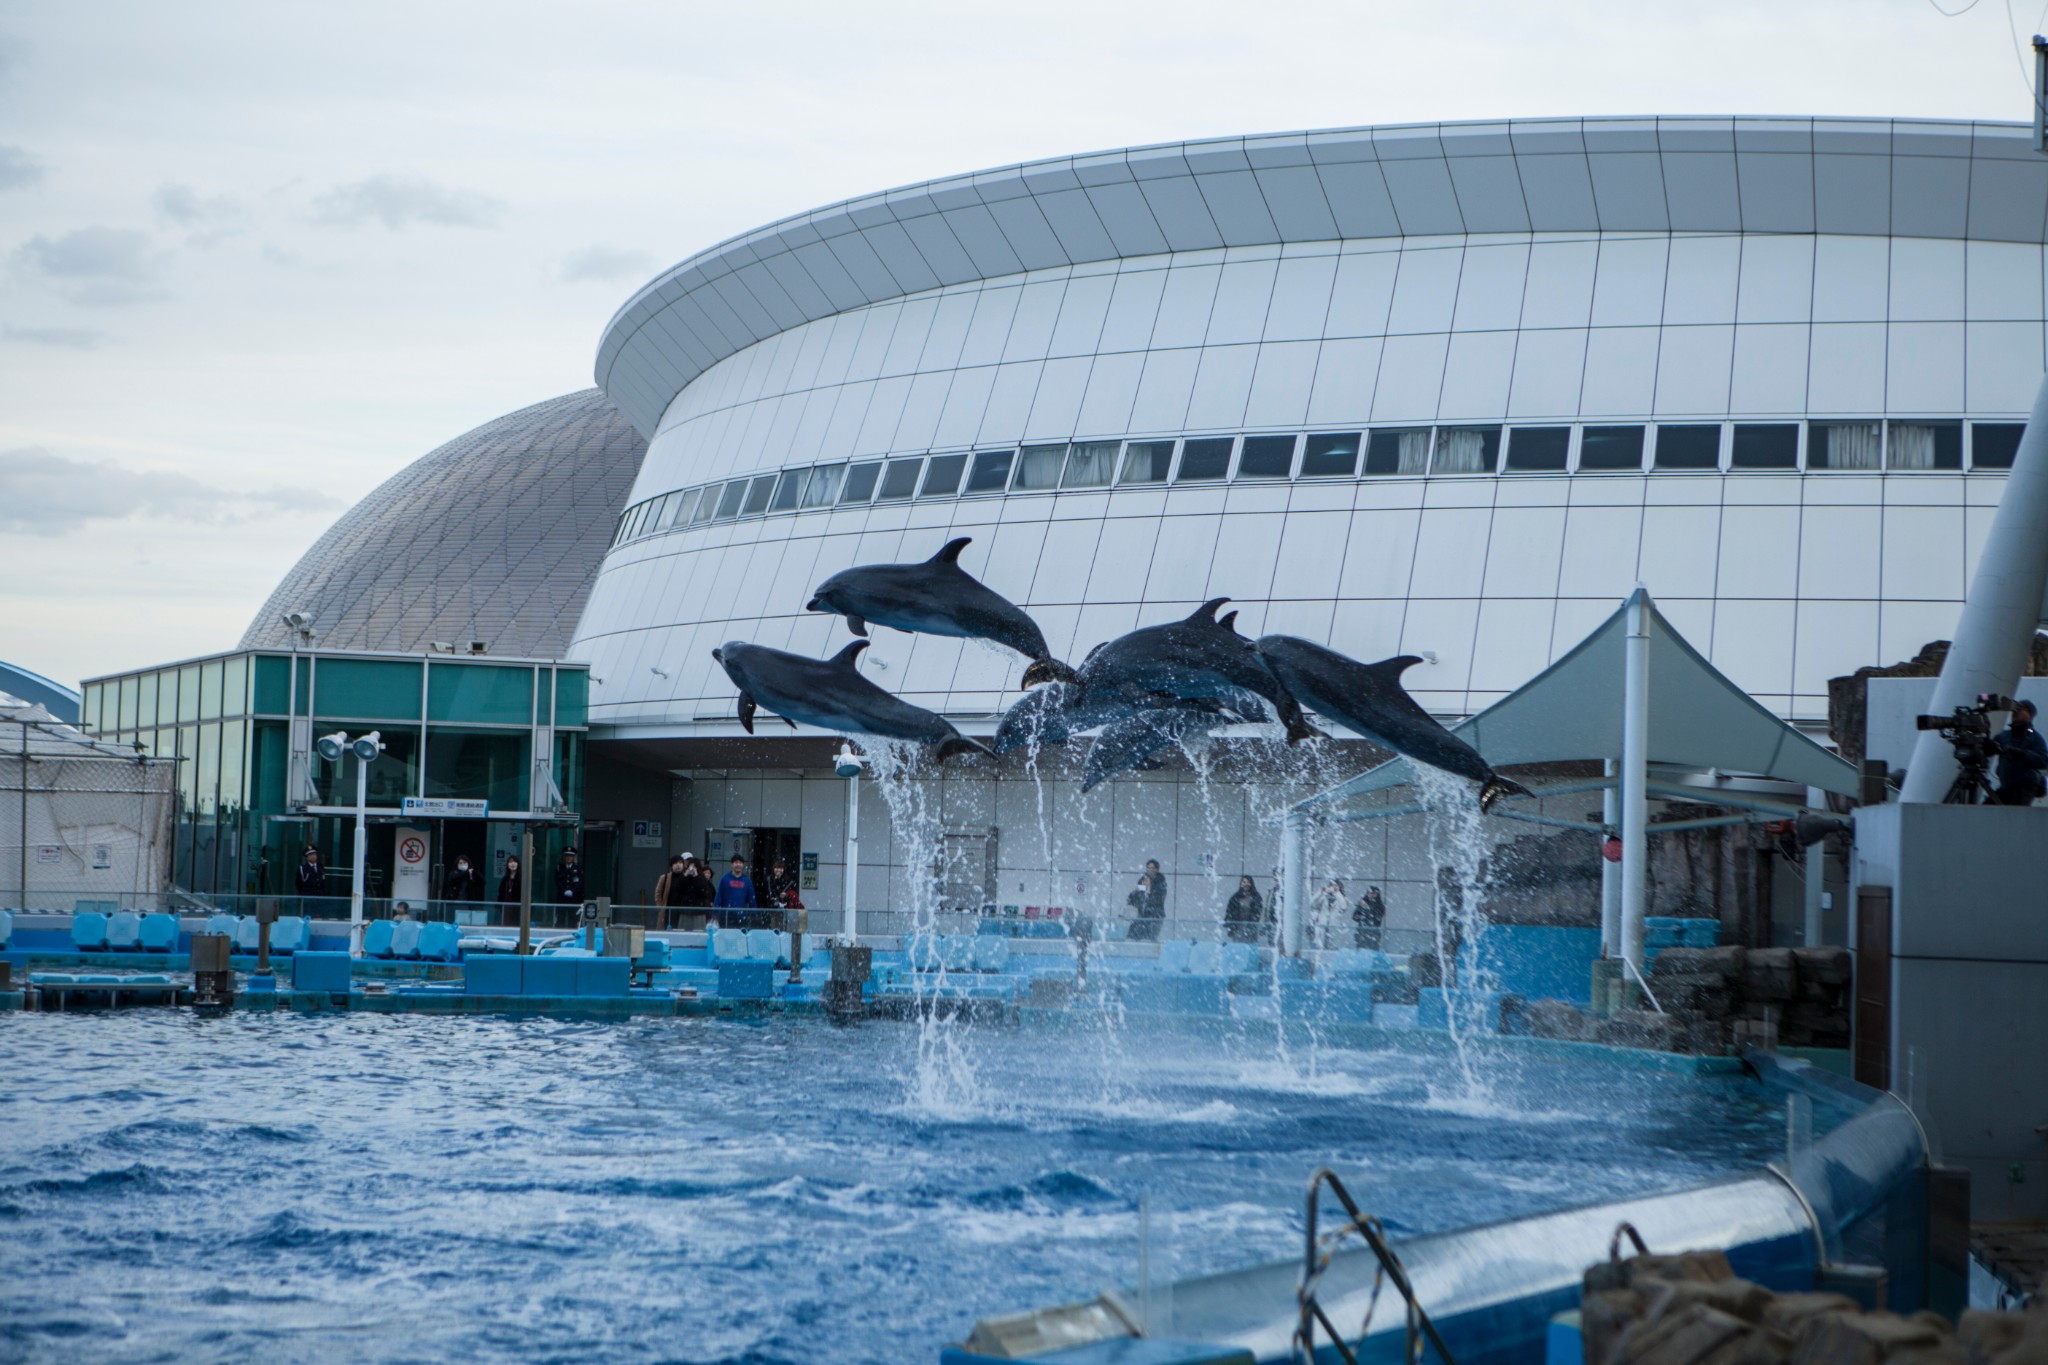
[(1864, 301)]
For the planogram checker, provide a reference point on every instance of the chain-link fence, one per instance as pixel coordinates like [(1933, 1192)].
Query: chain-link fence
[(80, 820)]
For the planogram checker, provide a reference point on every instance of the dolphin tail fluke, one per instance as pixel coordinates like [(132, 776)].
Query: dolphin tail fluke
[(1298, 729), (1497, 788), (1048, 670), (961, 744)]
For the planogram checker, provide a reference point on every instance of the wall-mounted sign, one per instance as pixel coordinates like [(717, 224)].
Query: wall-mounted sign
[(102, 857), (810, 862), (409, 871), (444, 808), (49, 853), (810, 881), (647, 834)]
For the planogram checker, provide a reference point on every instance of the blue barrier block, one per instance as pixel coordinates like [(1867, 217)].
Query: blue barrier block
[(1347, 1000), (1563, 1343), (320, 971), (1150, 994), (494, 974), (551, 975), (603, 975), (1203, 995), (1481, 1008), (1117, 1351), (1540, 962), (1700, 933), (745, 980)]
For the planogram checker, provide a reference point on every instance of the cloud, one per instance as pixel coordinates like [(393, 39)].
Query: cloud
[(70, 338), (18, 169), (399, 201), (602, 262), (48, 495), (95, 265), (187, 207)]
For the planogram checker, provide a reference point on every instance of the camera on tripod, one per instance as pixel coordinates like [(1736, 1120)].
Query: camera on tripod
[(1969, 732)]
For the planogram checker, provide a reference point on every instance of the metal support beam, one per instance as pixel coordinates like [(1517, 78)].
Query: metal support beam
[(1816, 875), (2002, 611), (1610, 873), (1635, 780), (1293, 882), (849, 768)]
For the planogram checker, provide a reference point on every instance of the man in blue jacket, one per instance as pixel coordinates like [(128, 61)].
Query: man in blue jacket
[(2022, 757), (735, 896)]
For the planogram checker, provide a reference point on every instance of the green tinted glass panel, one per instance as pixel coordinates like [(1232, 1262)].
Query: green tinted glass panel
[(146, 712), (480, 694), (234, 686), (188, 692), (89, 709), (233, 781), (209, 691), (125, 707), (491, 765), (208, 758), (572, 697), (267, 760), (271, 696), (369, 689)]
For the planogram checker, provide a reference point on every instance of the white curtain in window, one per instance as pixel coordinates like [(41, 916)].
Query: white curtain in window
[(1089, 464), (823, 489), (1457, 452), (1039, 466), (1912, 446), (1859, 445)]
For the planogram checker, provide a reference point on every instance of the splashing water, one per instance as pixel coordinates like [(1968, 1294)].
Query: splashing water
[(1458, 846)]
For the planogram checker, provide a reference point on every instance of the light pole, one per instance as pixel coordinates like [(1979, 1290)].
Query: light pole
[(848, 765), (365, 748)]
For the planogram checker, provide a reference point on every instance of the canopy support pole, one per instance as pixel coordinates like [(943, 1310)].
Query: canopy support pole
[(1293, 882), (1635, 780), (2004, 608), (1816, 873), (1610, 872)]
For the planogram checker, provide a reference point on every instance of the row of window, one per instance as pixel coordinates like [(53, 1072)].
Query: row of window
[(1393, 451)]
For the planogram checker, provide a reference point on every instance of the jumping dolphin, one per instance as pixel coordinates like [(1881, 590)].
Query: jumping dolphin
[(938, 597), (1369, 698), (1190, 659), (1137, 741), (832, 695)]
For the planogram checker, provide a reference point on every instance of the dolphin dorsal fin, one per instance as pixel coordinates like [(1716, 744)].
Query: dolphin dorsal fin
[(1207, 611), (1392, 669), (845, 657), (1228, 620), (949, 553)]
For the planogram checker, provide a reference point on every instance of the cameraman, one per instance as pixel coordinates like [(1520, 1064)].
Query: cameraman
[(2022, 759)]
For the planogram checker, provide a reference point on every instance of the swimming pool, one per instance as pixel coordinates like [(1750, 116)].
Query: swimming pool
[(388, 1188)]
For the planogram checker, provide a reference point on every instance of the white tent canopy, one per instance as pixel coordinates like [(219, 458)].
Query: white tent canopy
[(1572, 711)]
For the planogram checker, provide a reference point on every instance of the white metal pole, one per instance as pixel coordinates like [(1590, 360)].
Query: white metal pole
[(355, 894), (1816, 874), (1635, 778), (848, 929), (2002, 611), (1293, 883), (1610, 872)]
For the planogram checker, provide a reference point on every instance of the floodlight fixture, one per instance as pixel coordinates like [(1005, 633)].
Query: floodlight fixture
[(330, 747)]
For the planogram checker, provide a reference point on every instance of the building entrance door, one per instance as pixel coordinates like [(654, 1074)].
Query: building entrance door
[(601, 859), (469, 839)]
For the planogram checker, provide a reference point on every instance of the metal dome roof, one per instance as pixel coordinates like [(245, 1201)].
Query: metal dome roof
[(495, 536)]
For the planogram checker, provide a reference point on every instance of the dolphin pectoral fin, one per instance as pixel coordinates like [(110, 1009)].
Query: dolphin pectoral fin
[(790, 723), (1048, 670), (961, 744), (845, 657), (746, 713), (1206, 613), (1299, 729), (1497, 788), (857, 623), (949, 553)]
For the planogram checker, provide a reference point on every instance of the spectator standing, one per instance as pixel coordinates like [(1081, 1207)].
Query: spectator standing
[(508, 885), (781, 887), (736, 894), (1369, 918), (1329, 905), (1244, 918), (668, 888), (2022, 759), (312, 878), (1148, 900), (465, 883), (569, 878)]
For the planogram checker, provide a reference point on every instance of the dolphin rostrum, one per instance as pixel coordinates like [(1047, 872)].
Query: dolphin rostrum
[(1369, 698), (938, 597), (1195, 659), (832, 695)]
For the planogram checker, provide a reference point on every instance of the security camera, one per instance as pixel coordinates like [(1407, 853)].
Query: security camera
[(441, 646), (479, 646)]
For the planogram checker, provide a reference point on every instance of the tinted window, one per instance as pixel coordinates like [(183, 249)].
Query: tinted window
[(1844, 445), (1146, 461), (789, 492), (1089, 464), (1993, 444), (729, 501), (1924, 445), (1765, 445), (1330, 457), (1398, 452), (1611, 448), (860, 482), (942, 476), (1466, 450), (1039, 466), (1538, 448), (1208, 458), (823, 488), (1266, 457), (991, 471), (758, 493), (674, 508), (1689, 447), (900, 479), (709, 504)]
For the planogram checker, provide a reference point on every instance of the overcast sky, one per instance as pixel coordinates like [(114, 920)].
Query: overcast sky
[(255, 257)]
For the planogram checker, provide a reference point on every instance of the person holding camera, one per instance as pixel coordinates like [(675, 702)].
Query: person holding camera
[(1148, 899), (2022, 759)]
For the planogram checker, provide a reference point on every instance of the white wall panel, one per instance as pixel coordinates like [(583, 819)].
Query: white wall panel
[(1693, 371), (1759, 552), (1362, 294), (1038, 309), (1064, 561), (922, 405), (1111, 392), (1056, 406), (2003, 366), (1477, 373), (1368, 628), (1926, 280), (1164, 388), (1621, 372), (990, 328), (1133, 310), (1922, 554), (1601, 547), (1846, 373), (1183, 318), (1838, 552), (1770, 368), (1560, 284), (1425, 290), (1628, 289), (1379, 555), (1445, 627), (1450, 552), (1523, 551), (1680, 551), (1347, 376), (1410, 379), (878, 328), (1490, 287), (1750, 645), (1513, 643), (1281, 383), (1243, 291), (1182, 557), (1242, 567), (2002, 281), (1834, 638), (1776, 280), (1123, 556), (1223, 383), (1851, 279), (1083, 310), (1301, 298), (966, 400), (948, 335), (1924, 367), (1700, 285), (1549, 371)]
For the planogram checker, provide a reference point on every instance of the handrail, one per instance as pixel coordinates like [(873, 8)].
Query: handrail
[(1317, 1257)]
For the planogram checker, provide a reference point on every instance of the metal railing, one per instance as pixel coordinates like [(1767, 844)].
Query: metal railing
[(1320, 1251)]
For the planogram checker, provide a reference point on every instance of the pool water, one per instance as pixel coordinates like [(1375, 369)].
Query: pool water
[(351, 1187)]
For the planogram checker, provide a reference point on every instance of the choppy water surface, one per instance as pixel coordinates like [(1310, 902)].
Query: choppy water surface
[(371, 1188)]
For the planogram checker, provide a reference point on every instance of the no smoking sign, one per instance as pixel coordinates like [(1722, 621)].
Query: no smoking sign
[(412, 850)]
